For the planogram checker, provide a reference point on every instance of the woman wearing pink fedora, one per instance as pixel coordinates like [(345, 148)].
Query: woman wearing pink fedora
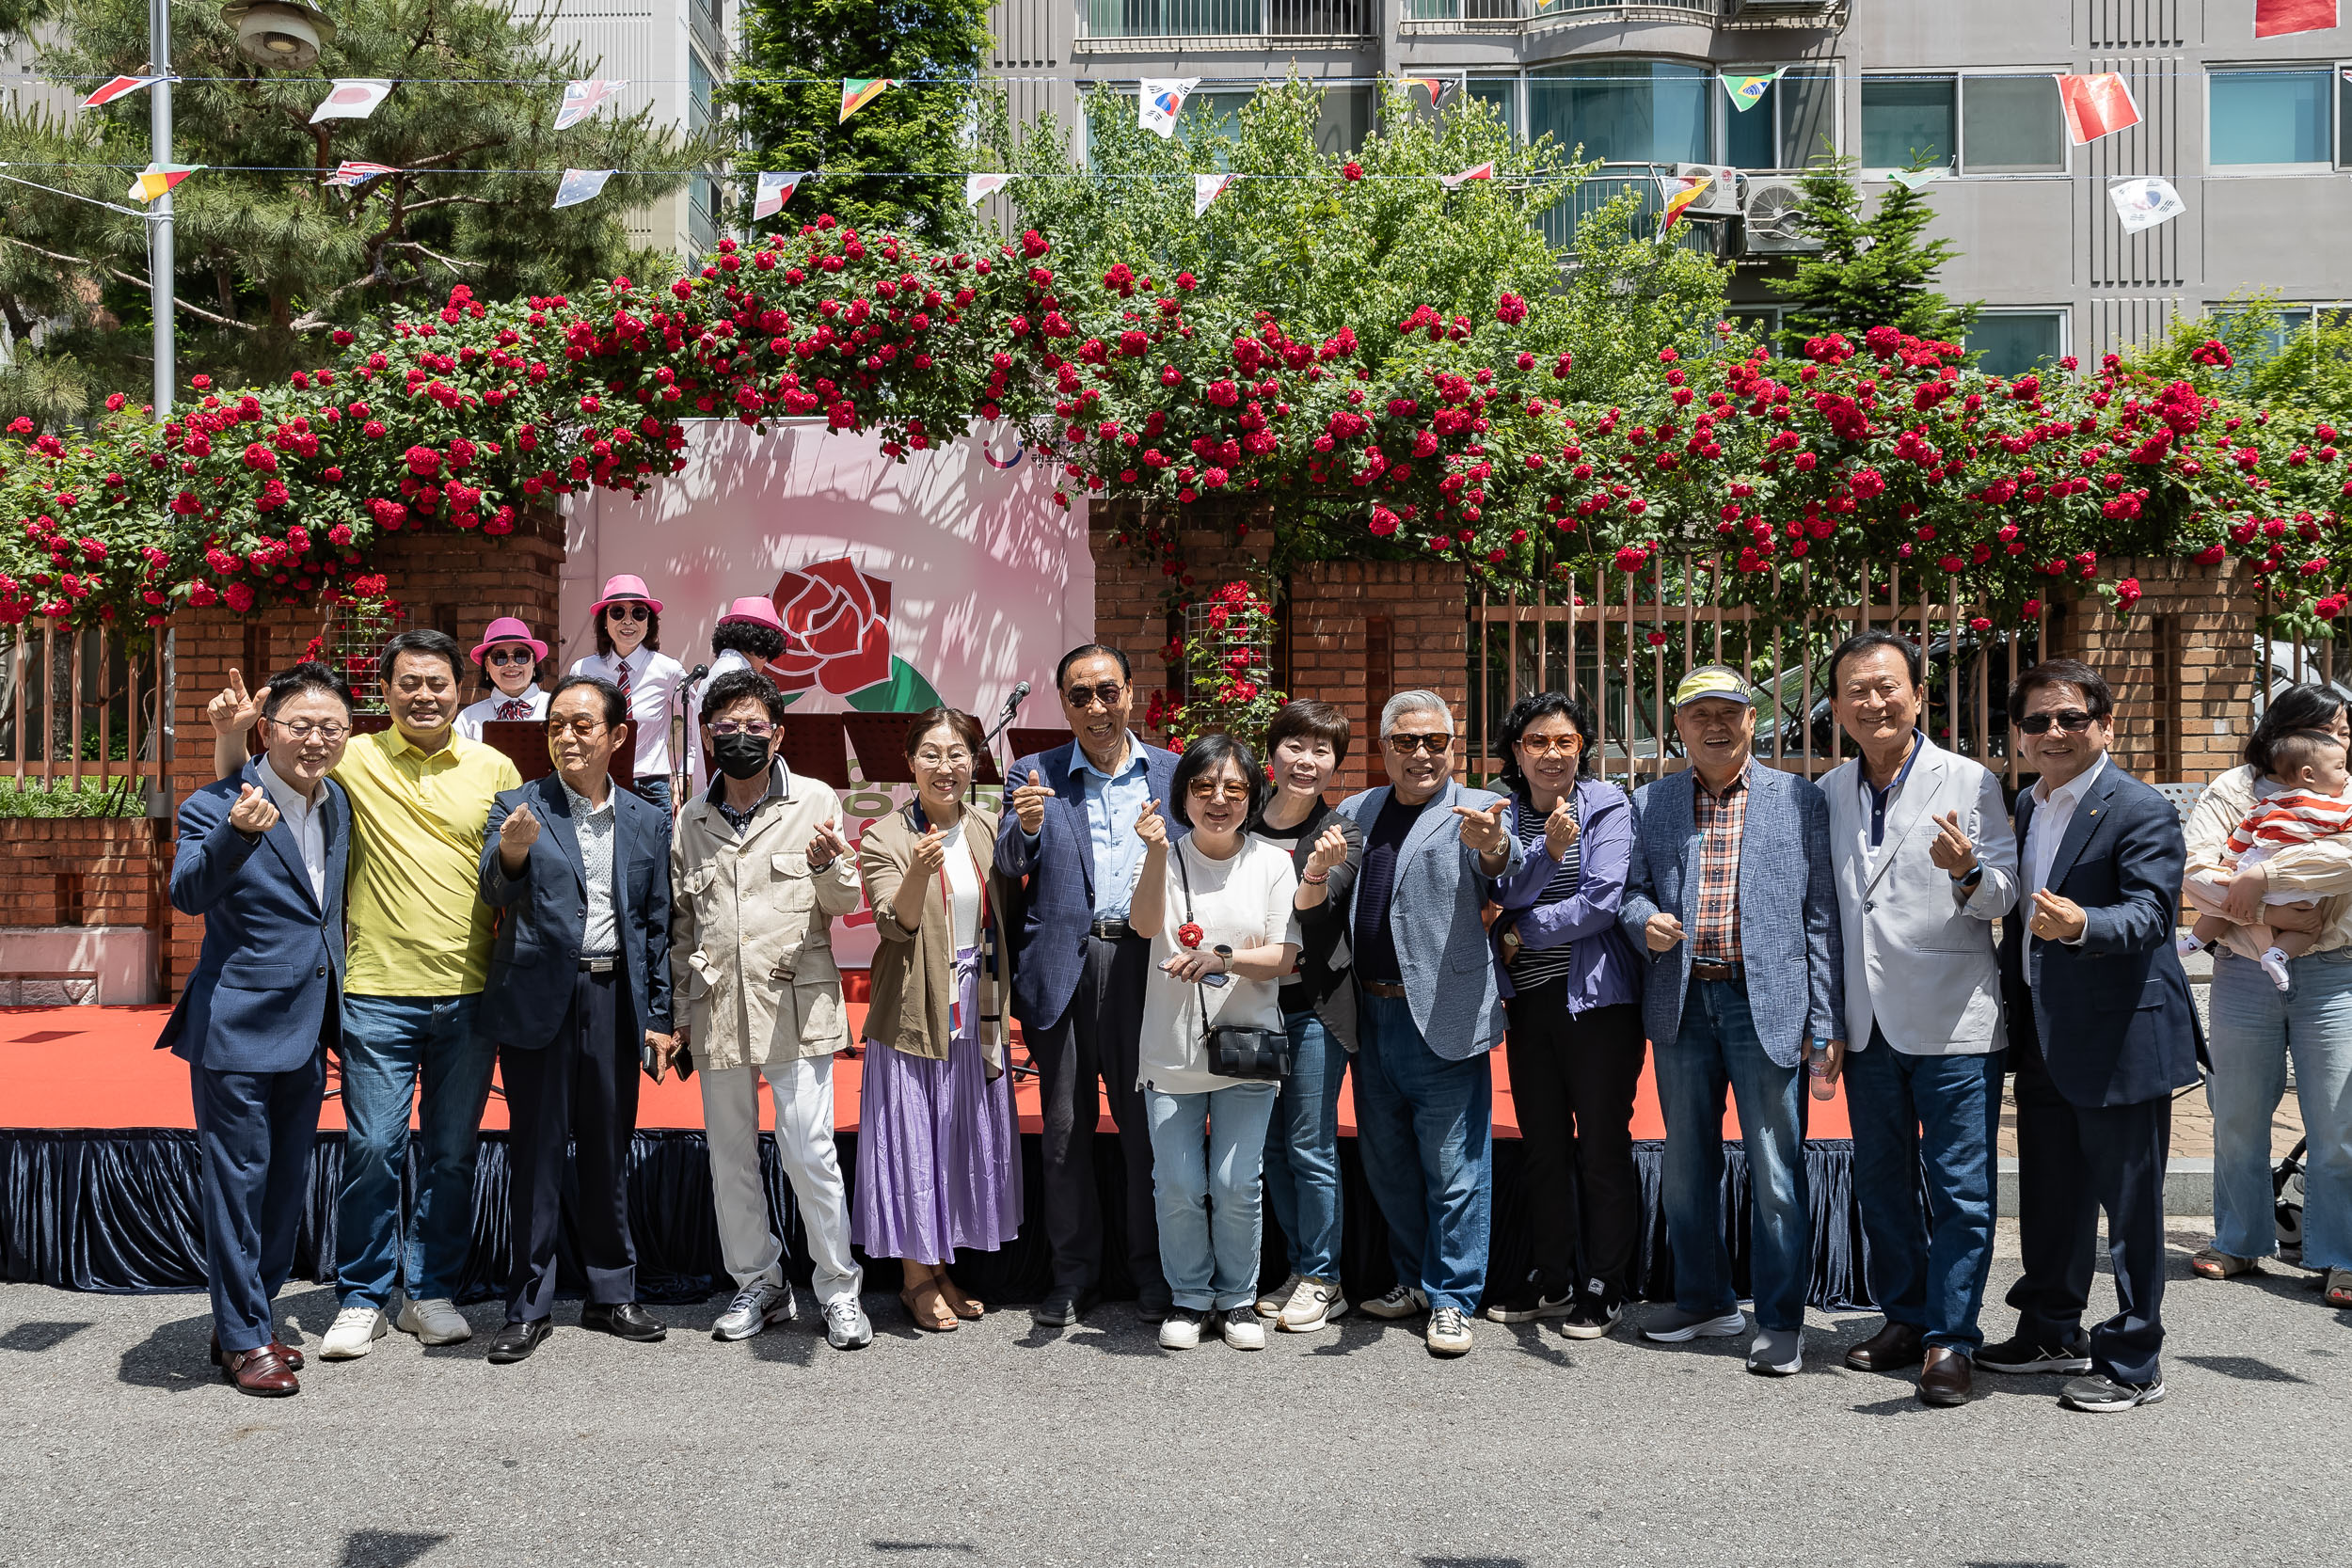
[(509, 657), (746, 638), (629, 654)]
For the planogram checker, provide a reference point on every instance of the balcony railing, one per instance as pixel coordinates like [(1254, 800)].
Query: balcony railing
[(1444, 16), (1238, 20)]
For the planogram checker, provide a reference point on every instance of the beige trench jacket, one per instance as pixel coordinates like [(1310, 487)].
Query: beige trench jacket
[(751, 930)]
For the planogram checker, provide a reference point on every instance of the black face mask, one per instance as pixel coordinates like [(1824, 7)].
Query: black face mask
[(740, 756)]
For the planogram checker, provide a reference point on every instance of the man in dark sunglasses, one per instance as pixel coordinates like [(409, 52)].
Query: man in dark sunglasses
[(508, 656), (1078, 981), (2102, 1030)]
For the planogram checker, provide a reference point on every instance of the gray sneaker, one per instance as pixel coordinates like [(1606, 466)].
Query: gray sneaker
[(754, 1306), (846, 1327), (1671, 1326), (1777, 1353)]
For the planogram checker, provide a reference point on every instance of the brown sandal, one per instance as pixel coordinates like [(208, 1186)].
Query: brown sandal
[(2214, 1263), (941, 1319), (2336, 1290), (960, 1304)]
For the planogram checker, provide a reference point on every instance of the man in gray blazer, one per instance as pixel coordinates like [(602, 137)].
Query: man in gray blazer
[(1428, 1012), (1926, 862), (1730, 893)]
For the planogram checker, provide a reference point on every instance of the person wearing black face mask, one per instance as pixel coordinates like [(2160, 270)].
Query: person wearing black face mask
[(758, 869)]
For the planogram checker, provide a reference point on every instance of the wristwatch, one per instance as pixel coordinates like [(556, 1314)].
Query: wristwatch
[(1225, 957), (1968, 883)]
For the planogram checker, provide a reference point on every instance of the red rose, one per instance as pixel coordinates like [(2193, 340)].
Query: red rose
[(1189, 934), (837, 627)]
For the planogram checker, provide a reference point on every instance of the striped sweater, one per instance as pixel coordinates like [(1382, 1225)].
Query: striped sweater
[(2295, 817)]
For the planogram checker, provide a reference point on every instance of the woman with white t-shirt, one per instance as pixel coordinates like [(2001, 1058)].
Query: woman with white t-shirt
[(938, 1149), (1217, 907)]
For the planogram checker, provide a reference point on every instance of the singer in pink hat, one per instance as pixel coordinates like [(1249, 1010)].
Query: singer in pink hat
[(629, 654), (509, 658)]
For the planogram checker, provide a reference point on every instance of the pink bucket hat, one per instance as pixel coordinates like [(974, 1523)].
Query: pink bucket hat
[(508, 629), (754, 609), (624, 587)]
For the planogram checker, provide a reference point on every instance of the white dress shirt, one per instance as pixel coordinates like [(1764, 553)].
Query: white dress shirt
[(474, 714), (305, 821), (654, 680), (596, 827), (697, 772), (2053, 809)]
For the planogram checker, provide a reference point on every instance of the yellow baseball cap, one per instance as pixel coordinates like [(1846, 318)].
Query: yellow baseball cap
[(1713, 680)]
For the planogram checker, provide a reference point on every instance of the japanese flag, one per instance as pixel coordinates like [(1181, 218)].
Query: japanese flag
[(979, 186), (2096, 105), (582, 99), (351, 100), (1160, 99)]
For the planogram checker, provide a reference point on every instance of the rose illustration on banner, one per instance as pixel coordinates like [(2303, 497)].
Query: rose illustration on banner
[(836, 638)]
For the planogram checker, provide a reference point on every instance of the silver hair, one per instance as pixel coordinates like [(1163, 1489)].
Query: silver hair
[(1413, 702)]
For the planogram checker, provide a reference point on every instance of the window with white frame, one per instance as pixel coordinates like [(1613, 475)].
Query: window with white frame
[(1977, 123), (2273, 118), (2011, 341)]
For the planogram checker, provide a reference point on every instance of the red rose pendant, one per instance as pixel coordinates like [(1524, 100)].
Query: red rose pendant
[(1189, 934)]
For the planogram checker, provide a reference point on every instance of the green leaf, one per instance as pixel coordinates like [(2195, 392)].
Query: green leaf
[(905, 692)]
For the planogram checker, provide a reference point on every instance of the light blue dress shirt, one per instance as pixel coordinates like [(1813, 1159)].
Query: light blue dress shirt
[(1113, 802)]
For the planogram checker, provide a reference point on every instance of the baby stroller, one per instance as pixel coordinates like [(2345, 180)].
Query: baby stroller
[(2286, 1185)]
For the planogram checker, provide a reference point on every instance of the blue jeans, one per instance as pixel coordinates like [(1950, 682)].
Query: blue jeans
[(392, 1046), (2255, 1028), (1925, 1264), (1302, 1149), (1426, 1126), (1205, 1152), (1718, 1048), (654, 787)]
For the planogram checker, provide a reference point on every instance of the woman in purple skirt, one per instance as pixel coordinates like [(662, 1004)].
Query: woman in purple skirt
[(939, 1148)]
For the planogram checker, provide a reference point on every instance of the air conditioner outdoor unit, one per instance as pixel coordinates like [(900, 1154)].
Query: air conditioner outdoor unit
[(1771, 212), (1720, 199)]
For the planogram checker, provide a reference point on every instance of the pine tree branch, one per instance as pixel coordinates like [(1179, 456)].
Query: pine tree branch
[(455, 267), (453, 152), (445, 201), (179, 301)]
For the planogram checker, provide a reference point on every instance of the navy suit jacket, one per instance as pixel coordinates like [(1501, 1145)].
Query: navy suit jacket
[(272, 965), (1060, 863), (2112, 1019), (543, 915)]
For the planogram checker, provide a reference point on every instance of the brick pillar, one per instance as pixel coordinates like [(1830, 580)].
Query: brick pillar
[(443, 579), (2183, 665)]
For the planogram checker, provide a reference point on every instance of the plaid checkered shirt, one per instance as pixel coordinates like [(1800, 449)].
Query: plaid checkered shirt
[(1713, 926)]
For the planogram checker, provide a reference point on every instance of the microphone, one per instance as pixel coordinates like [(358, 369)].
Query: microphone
[(694, 676), (1020, 695)]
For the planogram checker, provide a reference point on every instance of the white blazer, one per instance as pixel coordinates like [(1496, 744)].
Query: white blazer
[(1919, 954)]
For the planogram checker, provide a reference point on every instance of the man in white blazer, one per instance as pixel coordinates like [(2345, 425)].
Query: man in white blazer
[(1925, 863)]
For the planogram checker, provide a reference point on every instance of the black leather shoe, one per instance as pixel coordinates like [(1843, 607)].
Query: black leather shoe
[(1061, 1308), (1890, 1350), (627, 1321), (1947, 1378), (516, 1341)]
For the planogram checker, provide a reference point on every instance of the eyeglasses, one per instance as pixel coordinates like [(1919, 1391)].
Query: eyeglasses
[(1405, 745), (758, 729), (1085, 697), (2073, 720), (303, 729), (957, 758), (1218, 789), (631, 611), (582, 726), (507, 656), (1551, 745)]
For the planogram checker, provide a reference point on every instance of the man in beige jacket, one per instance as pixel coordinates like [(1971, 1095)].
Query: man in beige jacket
[(758, 871)]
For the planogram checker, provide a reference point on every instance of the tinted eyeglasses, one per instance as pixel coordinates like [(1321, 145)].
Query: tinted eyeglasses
[(758, 729), (582, 726), (1084, 697), (507, 656), (629, 611), (2073, 721), (1405, 745)]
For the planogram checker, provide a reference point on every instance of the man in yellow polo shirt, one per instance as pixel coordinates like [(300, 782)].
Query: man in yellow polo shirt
[(420, 953)]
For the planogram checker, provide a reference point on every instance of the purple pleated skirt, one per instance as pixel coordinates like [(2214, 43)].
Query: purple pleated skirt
[(938, 1146)]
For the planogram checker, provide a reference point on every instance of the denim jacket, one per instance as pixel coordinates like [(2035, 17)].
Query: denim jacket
[(1603, 970)]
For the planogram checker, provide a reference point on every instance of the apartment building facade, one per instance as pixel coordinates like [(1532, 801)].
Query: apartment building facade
[(2256, 134)]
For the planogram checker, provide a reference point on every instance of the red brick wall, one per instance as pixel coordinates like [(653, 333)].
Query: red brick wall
[(2181, 665), (82, 871)]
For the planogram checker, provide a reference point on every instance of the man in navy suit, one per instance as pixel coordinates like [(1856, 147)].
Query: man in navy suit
[(578, 989), (260, 857), (2102, 1030), (1079, 974)]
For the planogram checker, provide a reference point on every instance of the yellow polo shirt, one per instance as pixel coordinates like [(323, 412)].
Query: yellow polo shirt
[(417, 922)]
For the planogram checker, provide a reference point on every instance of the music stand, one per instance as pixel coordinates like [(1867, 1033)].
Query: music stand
[(1027, 742), (524, 741), (879, 741), (812, 746)]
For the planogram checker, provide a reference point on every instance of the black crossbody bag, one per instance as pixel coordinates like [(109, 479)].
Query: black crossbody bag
[(1244, 1051)]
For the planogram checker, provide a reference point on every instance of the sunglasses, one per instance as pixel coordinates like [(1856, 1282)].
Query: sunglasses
[(2073, 721), (507, 656), (1562, 745), (1085, 697), (758, 729), (629, 612), (1405, 745), (583, 727)]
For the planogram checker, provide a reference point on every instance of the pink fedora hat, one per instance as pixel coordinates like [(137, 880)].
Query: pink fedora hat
[(508, 629), (624, 587), (754, 609)]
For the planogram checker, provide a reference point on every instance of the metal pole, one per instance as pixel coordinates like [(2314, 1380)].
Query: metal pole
[(159, 254)]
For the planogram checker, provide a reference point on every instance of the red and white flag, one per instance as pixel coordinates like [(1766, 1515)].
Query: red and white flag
[(772, 192), (1207, 188), (352, 99), (979, 186), (351, 173), (582, 99), (1483, 172), (2276, 18), (2096, 105), (116, 87)]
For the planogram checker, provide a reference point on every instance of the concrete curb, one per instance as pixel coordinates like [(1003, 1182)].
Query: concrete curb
[(2187, 1187)]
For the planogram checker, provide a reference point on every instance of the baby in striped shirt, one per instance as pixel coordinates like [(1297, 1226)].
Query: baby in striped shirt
[(2309, 768)]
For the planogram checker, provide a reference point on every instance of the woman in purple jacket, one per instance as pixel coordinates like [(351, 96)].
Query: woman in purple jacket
[(1573, 993)]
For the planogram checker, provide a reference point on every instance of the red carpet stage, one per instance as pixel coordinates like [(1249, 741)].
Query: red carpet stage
[(98, 1170)]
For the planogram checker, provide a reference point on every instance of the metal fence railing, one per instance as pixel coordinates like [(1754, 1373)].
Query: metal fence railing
[(1538, 10), (1138, 19), (80, 711)]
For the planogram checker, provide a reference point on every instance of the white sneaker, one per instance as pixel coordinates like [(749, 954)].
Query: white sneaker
[(1272, 1302), (754, 1306), (353, 1334), (846, 1326), (1181, 1328), (1312, 1304), (1448, 1331), (436, 1322), (1398, 1302), (1243, 1331)]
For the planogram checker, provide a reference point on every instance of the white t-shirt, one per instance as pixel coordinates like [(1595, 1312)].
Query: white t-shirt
[(473, 715), (963, 887), (654, 680), (1241, 902)]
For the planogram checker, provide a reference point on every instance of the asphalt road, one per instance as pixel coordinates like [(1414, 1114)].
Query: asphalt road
[(1001, 1444)]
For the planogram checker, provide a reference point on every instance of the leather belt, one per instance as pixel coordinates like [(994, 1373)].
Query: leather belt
[(604, 964), (1701, 969), (1112, 928), (1383, 990)]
